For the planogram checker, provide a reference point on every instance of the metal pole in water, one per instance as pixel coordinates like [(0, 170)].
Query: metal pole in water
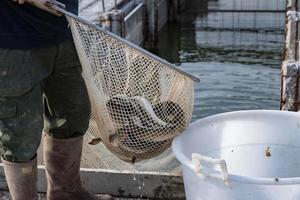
[(103, 5)]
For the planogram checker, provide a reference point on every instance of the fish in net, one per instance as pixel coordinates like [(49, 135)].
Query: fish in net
[(140, 102)]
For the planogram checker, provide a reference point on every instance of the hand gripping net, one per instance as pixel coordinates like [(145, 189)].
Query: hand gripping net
[(139, 103)]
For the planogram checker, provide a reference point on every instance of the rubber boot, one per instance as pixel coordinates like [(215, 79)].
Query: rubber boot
[(21, 179), (62, 162)]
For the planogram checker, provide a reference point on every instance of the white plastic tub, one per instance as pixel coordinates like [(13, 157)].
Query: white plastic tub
[(241, 155)]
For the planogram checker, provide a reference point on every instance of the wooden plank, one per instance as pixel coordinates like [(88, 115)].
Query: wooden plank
[(291, 34), (289, 69), (290, 40), (134, 25), (157, 17), (291, 4), (121, 184), (4, 195), (151, 18), (162, 13), (290, 82), (182, 5), (91, 10), (175, 7)]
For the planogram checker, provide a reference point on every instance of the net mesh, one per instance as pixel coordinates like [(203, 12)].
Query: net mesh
[(138, 103)]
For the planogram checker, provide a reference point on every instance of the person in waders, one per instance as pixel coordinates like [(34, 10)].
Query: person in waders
[(41, 90)]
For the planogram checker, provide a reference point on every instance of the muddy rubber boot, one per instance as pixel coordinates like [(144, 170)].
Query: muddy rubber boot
[(21, 179), (62, 163)]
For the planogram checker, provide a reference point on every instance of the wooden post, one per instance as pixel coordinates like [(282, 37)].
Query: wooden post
[(290, 97), (157, 16), (290, 81)]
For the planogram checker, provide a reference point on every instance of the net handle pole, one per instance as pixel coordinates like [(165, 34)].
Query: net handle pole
[(57, 6), (42, 4)]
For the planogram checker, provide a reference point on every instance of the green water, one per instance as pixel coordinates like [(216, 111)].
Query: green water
[(236, 55)]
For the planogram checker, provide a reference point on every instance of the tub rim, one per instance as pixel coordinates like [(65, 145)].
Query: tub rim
[(187, 162)]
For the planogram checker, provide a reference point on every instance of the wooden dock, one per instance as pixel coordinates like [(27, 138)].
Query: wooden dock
[(4, 195)]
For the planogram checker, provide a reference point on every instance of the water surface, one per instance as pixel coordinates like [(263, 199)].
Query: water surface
[(237, 55)]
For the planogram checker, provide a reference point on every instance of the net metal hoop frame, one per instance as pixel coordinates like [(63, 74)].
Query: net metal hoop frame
[(140, 102)]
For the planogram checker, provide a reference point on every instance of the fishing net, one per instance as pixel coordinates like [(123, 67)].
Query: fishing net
[(139, 103)]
